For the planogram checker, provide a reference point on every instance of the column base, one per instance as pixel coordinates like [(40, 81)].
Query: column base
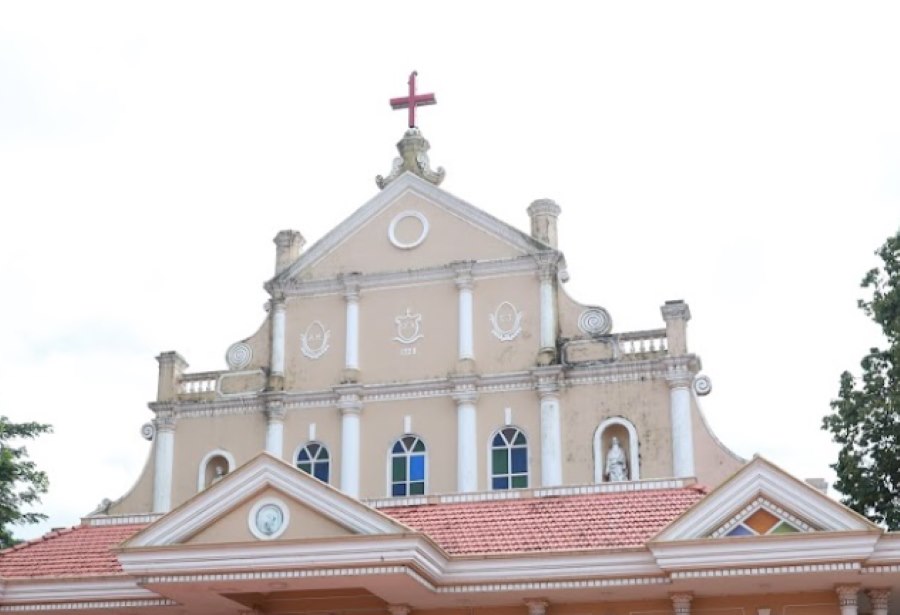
[(546, 356), (275, 383), (465, 367), (349, 376)]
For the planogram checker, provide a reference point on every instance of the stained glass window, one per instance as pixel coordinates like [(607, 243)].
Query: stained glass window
[(314, 459), (408, 466), (509, 459), (762, 523)]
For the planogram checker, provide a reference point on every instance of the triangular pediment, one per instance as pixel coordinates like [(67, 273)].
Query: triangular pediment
[(265, 499), (410, 224), (762, 499)]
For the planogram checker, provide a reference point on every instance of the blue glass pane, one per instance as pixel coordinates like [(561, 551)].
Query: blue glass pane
[(398, 489), (740, 531), (498, 441), (303, 456), (519, 460), (500, 482), (398, 447), (417, 467), (321, 472)]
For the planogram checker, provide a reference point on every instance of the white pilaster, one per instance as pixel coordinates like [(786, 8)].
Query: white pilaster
[(551, 431), (465, 396), (466, 316), (879, 598), (681, 603), (163, 463), (548, 313), (679, 378), (536, 606), (278, 319), (350, 406), (275, 428), (351, 294), (848, 598)]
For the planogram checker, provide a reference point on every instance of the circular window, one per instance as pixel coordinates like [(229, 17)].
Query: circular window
[(408, 229), (268, 518)]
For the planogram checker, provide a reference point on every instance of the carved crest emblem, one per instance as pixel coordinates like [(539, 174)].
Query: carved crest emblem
[(314, 341), (409, 327), (506, 322)]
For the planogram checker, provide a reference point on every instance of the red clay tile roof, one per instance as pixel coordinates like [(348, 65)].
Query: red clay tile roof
[(78, 551), (597, 521)]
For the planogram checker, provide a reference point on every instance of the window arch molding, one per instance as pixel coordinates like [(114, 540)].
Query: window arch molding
[(314, 462), (489, 459), (201, 469), (634, 467), (410, 475)]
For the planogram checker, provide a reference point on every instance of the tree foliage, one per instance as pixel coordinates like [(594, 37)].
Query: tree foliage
[(21, 483), (865, 418)]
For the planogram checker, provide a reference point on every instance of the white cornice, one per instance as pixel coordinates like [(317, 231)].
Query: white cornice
[(120, 519), (887, 551), (259, 473), (42, 590), (781, 550), (95, 604), (766, 570)]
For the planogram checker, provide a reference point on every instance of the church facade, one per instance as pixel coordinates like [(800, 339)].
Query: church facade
[(426, 421)]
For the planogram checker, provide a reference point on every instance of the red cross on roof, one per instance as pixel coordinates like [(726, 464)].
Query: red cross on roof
[(413, 100)]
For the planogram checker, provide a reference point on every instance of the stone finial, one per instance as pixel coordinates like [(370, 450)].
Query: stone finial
[(676, 314), (413, 148), (543, 214), (171, 366), (288, 245)]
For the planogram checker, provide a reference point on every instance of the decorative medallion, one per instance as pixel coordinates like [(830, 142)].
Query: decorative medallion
[(408, 229), (595, 321), (409, 327), (314, 341), (148, 431), (239, 355), (506, 322), (268, 518), (702, 385)]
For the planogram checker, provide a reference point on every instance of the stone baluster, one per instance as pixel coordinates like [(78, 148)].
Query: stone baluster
[(848, 598), (350, 405), (879, 597), (164, 457), (465, 394)]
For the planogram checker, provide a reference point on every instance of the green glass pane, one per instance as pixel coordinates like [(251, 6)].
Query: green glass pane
[(520, 438), (419, 447), (398, 469), (499, 461), (305, 467), (323, 453), (417, 488), (519, 482), (784, 528)]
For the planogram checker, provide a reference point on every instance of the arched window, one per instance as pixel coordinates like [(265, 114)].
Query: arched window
[(408, 466), (509, 459), (313, 459)]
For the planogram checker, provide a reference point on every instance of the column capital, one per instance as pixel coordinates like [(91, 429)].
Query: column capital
[(536, 606), (681, 602), (547, 263), (547, 380), (463, 270), (275, 410), (278, 303), (465, 390), (349, 400), (848, 595), (675, 310), (170, 357), (879, 597), (351, 286), (680, 373), (164, 423)]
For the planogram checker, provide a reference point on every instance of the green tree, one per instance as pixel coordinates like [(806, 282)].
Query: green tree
[(865, 418), (21, 483)]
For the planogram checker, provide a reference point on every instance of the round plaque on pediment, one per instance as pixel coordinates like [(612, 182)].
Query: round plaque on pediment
[(268, 518), (408, 229), (239, 355), (595, 321)]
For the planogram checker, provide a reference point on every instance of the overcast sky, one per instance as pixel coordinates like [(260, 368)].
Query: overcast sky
[(744, 157)]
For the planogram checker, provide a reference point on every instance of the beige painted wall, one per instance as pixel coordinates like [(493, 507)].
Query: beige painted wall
[(302, 372), (369, 249)]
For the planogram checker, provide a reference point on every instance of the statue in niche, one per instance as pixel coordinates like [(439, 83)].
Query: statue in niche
[(219, 473), (616, 464)]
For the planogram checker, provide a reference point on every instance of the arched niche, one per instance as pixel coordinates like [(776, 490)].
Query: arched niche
[(214, 464), (623, 429)]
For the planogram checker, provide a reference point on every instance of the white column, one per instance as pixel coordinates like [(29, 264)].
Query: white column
[(351, 361), (466, 317), (163, 464), (681, 603), (548, 307), (466, 439), (537, 606), (847, 598), (278, 337), (679, 378), (551, 431), (350, 407), (879, 598), (275, 428)]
